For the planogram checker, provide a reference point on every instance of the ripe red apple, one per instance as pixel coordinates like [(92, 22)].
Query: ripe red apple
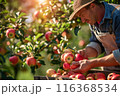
[(10, 33), (36, 14), (100, 76), (78, 57), (14, 60), (62, 57), (66, 66), (72, 76), (90, 76), (115, 77), (80, 76), (56, 75), (49, 36), (39, 65), (110, 76), (31, 61), (56, 50), (50, 72), (68, 57)]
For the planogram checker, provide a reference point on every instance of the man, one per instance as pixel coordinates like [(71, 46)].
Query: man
[(104, 22)]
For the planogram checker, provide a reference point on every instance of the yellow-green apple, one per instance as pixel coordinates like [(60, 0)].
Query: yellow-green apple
[(100, 76), (78, 57), (50, 72), (68, 57), (80, 76), (66, 66), (10, 33), (90, 76), (14, 60), (31, 61), (49, 36), (115, 77), (110, 76)]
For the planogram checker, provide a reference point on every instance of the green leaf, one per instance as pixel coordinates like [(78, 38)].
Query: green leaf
[(21, 14), (38, 36), (13, 20), (42, 62), (76, 30), (4, 12)]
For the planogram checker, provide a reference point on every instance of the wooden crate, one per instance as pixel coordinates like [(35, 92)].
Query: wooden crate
[(90, 71)]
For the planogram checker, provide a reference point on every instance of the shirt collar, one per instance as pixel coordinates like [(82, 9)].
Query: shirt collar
[(108, 12)]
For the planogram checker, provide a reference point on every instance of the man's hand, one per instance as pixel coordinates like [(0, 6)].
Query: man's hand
[(83, 66), (88, 52)]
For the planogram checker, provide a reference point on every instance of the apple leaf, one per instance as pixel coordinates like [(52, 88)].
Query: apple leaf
[(76, 30)]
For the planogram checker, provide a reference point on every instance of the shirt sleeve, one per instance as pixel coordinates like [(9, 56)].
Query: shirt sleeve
[(116, 54), (94, 43)]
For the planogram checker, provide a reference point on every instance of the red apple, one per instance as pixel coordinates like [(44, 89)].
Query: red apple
[(66, 66), (39, 65), (100, 76), (49, 36), (80, 76), (31, 61), (78, 57), (68, 57), (56, 50), (14, 60), (62, 57), (56, 75), (115, 77), (36, 14), (110, 76), (90, 76), (10, 33), (50, 72), (72, 76)]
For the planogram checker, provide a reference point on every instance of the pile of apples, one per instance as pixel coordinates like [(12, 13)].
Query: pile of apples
[(78, 76)]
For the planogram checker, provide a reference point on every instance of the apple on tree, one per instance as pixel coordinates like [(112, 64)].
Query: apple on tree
[(31, 61), (10, 33), (14, 60), (49, 36)]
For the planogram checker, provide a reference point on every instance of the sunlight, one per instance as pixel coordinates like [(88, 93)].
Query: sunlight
[(41, 1)]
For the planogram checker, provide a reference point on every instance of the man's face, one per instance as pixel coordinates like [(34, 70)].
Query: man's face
[(87, 15)]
